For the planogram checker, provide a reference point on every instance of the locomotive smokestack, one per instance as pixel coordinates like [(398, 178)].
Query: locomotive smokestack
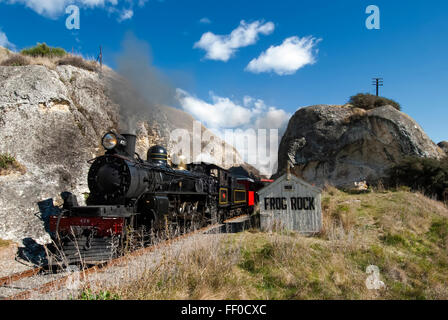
[(130, 145)]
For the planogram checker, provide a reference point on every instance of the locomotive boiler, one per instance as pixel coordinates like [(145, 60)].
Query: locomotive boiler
[(130, 196)]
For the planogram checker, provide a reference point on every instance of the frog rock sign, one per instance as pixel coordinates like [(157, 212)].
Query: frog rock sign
[(291, 203)]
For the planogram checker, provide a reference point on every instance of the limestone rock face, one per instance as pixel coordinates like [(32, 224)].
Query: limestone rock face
[(52, 121), (341, 145)]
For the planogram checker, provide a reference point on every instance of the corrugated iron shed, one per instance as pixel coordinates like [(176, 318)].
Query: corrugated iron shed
[(291, 203)]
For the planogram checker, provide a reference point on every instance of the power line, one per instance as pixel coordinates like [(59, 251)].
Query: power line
[(378, 82)]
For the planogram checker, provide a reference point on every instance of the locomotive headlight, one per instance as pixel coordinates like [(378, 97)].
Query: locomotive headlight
[(110, 141)]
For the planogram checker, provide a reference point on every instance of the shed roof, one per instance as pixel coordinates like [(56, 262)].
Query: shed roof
[(294, 179)]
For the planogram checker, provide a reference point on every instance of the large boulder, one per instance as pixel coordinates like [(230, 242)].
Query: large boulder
[(341, 145)]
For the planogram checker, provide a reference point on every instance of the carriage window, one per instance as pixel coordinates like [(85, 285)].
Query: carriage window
[(239, 196)]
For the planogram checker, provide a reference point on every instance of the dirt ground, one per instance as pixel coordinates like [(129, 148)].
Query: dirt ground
[(8, 264)]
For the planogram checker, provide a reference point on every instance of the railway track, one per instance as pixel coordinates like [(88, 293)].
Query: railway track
[(38, 281)]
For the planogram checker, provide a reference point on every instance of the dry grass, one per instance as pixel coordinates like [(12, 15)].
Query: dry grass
[(9, 164), (405, 234), (189, 274), (15, 61), (356, 114), (8, 58), (5, 243), (79, 62), (50, 63), (4, 53), (20, 60)]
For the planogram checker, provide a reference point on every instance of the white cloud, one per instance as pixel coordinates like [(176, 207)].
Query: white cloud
[(285, 59), (223, 47), (4, 42), (55, 8), (224, 113), (205, 20), (126, 15), (221, 113)]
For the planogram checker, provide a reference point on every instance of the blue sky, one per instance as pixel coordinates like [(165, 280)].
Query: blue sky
[(409, 51)]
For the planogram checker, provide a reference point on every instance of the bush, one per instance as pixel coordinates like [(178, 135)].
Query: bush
[(78, 62), (9, 164), (102, 295), (368, 101), (6, 160), (16, 60), (422, 174), (42, 50)]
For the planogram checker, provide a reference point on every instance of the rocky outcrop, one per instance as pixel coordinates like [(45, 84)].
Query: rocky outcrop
[(52, 121), (341, 145), (444, 146)]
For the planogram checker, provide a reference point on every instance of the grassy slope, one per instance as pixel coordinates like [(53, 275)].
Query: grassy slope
[(404, 234)]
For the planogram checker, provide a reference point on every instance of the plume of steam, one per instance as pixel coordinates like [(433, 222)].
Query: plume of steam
[(142, 89)]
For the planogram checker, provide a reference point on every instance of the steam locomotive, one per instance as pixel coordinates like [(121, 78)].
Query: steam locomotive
[(130, 196)]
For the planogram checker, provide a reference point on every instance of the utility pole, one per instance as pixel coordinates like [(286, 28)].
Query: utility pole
[(100, 57), (378, 82)]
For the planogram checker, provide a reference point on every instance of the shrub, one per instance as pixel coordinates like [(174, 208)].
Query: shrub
[(422, 174), (43, 50), (6, 160), (8, 163), (16, 60), (78, 62), (368, 101), (102, 295)]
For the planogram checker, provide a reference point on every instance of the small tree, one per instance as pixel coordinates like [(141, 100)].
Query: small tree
[(368, 101)]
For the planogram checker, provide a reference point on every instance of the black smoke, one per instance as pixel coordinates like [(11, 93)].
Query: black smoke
[(141, 90)]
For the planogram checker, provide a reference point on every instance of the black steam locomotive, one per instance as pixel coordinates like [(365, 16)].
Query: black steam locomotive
[(131, 196)]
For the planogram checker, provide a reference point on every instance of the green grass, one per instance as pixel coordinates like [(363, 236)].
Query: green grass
[(6, 160), (405, 234), (102, 295), (438, 232)]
